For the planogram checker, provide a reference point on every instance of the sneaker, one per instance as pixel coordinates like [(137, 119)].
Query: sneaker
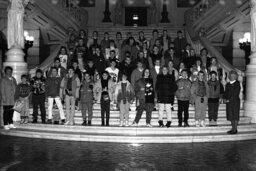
[(26, 121), (186, 124), (66, 123), (121, 124), (22, 121), (149, 125), (197, 124), (172, 108), (126, 123), (35, 121), (12, 126), (49, 121), (180, 125), (62, 121), (134, 124), (6, 127), (202, 124)]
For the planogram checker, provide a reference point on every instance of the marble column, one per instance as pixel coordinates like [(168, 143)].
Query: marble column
[(250, 102), (15, 38)]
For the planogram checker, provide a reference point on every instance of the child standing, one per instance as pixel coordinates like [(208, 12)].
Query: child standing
[(22, 93), (124, 96), (213, 100), (183, 95), (199, 92), (86, 98)]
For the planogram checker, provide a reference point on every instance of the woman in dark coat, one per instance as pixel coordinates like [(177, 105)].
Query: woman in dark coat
[(165, 90), (232, 100)]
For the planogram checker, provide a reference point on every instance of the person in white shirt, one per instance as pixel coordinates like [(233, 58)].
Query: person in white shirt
[(113, 71), (63, 55)]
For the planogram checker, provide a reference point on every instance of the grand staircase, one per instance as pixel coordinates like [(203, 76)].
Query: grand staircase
[(140, 134)]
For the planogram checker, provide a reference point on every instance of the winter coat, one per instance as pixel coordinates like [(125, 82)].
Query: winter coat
[(183, 92), (214, 89), (97, 89), (136, 75), (165, 88), (233, 106), (52, 87), (194, 91), (8, 88), (75, 86), (119, 94), (86, 92)]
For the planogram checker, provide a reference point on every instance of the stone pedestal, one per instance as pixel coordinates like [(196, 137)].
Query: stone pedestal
[(15, 59)]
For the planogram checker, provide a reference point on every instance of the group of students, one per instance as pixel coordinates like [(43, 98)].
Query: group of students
[(118, 73)]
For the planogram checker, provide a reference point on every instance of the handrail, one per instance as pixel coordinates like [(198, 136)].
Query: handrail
[(47, 62), (225, 65)]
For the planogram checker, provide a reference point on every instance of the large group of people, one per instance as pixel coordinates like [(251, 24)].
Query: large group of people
[(118, 72)]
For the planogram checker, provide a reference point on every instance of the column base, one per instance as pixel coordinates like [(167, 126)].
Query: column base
[(250, 110), (15, 59)]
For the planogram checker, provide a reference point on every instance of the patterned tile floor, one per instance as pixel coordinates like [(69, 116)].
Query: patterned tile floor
[(36, 154)]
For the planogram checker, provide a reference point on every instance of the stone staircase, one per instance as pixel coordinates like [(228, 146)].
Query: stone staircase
[(140, 134), (172, 31)]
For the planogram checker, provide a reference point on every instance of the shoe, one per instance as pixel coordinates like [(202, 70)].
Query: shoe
[(12, 126), (160, 122), (26, 120), (215, 123), (234, 132), (197, 124), (6, 127), (22, 121), (134, 124), (66, 123), (149, 125), (180, 125), (186, 124), (89, 123), (168, 124), (202, 124), (62, 121), (172, 108), (49, 121), (127, 123), (35, 121), (84, 123), (121, 124), (43, 122), (230, 131)]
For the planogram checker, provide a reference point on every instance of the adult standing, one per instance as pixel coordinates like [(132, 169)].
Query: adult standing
[(165, 90), (145, 94), (8, 88), (233, 101)]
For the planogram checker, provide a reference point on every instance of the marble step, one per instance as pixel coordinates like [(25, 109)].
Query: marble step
[(135, 130), (133, 135), (154, 122)]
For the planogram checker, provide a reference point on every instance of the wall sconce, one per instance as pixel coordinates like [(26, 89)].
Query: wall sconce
[(245, 44), (29, 40)]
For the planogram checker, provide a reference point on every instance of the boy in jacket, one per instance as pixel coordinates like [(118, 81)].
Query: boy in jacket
[(70, 89), (86, 98), (124, 96), (213, 100), (199, 92), (183, 95)]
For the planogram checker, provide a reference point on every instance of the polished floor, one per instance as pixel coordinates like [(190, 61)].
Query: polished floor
[(39, 155)]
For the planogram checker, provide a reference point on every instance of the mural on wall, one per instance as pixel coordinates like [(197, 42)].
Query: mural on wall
[(186, 3), (87, 3)]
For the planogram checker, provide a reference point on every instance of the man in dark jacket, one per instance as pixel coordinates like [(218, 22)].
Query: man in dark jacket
[(38, 95), (126, 66), (53, 93), (165, 89)]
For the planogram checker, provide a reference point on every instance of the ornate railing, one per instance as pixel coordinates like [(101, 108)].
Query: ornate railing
[(72, 7), (199, 38)]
